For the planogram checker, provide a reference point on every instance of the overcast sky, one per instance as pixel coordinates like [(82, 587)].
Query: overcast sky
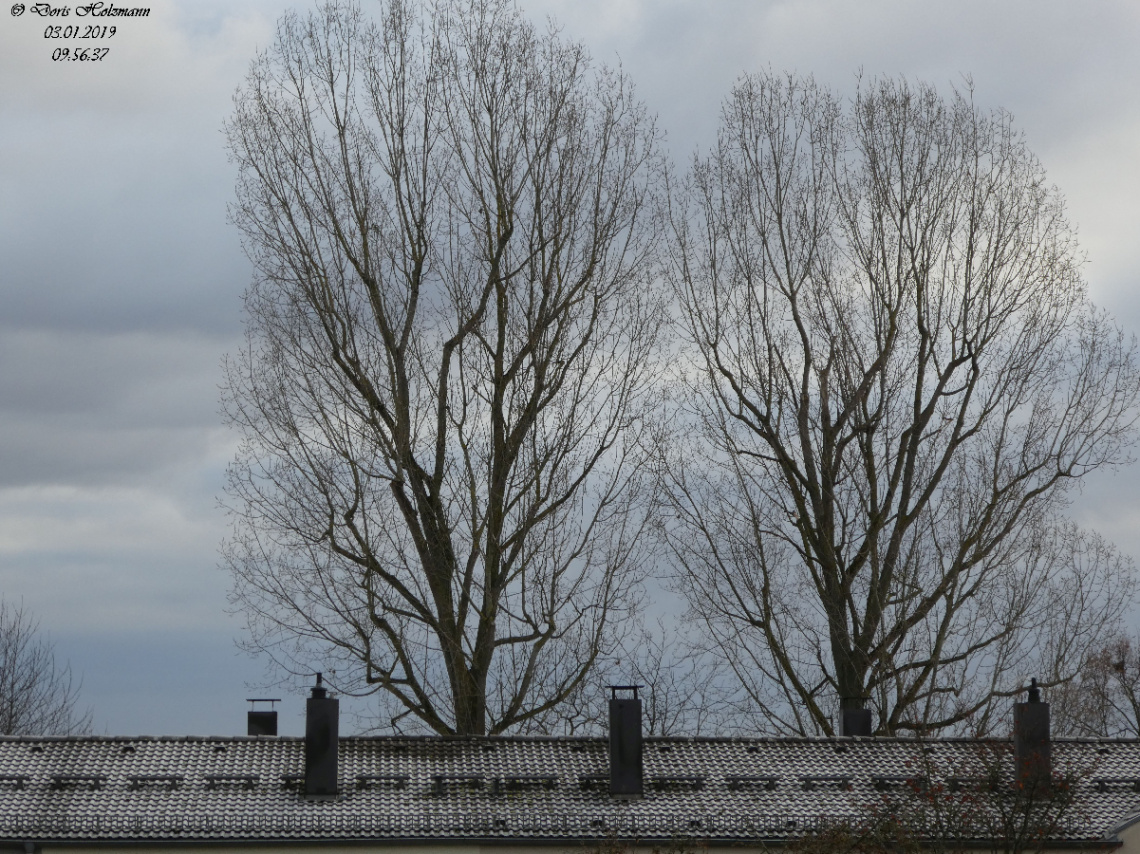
[(120, 279)]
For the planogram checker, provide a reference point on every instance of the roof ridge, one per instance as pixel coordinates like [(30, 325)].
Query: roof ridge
[(541, 739)]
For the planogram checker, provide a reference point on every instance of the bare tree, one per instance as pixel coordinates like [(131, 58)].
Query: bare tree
[(899, 378), (451, 339), (37, 696), (1103, 701)]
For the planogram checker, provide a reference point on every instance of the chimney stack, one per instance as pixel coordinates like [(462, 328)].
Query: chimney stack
[(260, 721), (1031, 738), (853, 718), (322, 738), (625, 743)]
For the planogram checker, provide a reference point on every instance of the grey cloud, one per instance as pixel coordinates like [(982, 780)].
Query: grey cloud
[(87, 408), (98, 245)]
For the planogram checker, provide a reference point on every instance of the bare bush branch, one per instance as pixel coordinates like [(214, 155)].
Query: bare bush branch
[(37, 696)]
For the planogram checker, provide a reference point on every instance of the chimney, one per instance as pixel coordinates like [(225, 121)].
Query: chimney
[(1031, 738), (261, 721), (853, 718), (322, 736), (625, 743)]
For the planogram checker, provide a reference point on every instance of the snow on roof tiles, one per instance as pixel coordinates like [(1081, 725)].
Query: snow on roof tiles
[(554, 789)]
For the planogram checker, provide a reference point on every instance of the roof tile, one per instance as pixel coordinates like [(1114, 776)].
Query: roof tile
[(500, 788)]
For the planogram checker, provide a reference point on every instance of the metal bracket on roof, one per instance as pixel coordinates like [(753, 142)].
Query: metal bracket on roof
[(735, 782), (247, 781), (63, 781), (975, 784), (376, 781), (689, 782), (1102, 783), (442, 782), (917, 782), (519, 782), (812, 781), (593, 781), (170, 781)]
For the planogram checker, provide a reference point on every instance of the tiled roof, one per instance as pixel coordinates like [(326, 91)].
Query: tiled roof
[(553, 789)]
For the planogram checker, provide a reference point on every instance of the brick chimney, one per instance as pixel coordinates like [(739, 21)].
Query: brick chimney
[(322, 739), (625, 743), (1031, 738)]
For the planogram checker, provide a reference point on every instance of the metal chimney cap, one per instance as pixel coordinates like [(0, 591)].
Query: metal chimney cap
[(269, 700), (319, 692), (615, 688), (1034, 691)]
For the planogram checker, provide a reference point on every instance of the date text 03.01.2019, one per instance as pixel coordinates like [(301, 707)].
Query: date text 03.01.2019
[(79, 54), (79, 31)]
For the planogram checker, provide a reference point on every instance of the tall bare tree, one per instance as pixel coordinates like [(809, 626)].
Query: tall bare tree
[(898, 380), (37, 695), (451, 339)]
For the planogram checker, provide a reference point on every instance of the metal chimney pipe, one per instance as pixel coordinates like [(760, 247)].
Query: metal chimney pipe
[(625, 743), (261, 721), (322, 739)]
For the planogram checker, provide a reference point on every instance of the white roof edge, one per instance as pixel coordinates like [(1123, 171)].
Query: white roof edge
[(1113, 833)]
